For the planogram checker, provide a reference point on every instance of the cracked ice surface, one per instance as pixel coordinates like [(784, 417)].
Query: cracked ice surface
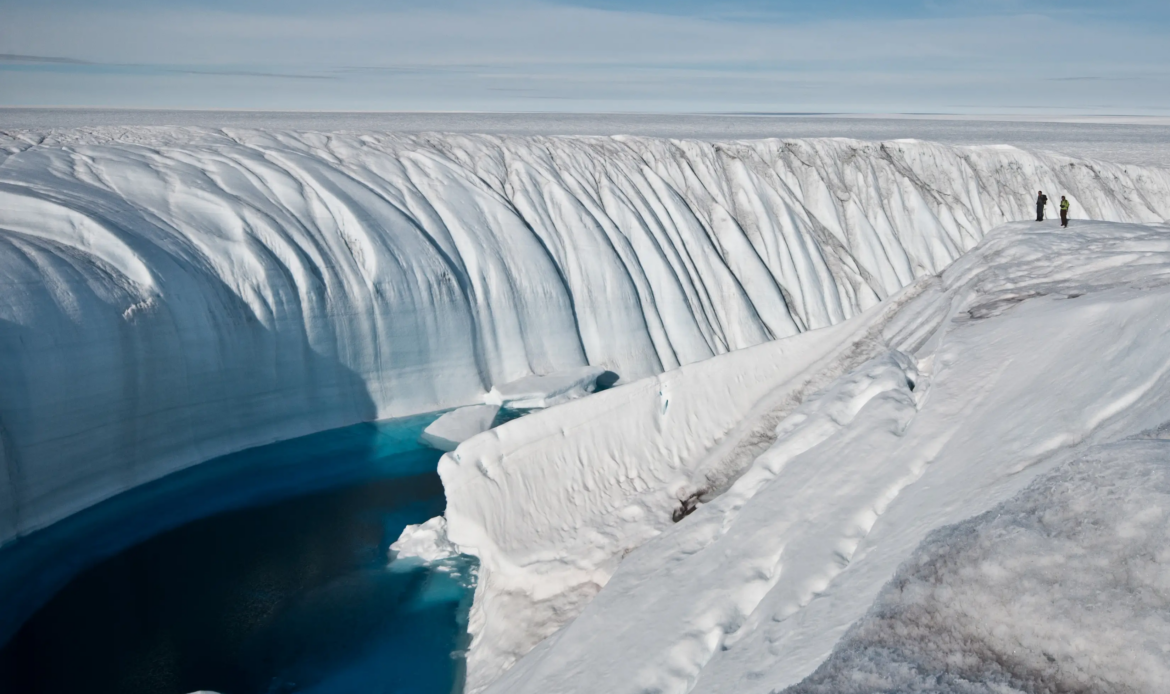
[(836, 451), (168, 295)]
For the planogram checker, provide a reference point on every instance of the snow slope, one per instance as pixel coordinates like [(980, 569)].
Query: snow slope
[(812, 467), (1064, 588), (169, 295)]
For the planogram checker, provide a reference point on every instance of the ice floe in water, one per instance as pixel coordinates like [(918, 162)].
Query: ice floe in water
[(456, 426), (426, 542), (538, 392)]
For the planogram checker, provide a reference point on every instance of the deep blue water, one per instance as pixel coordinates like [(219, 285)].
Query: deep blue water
[(260, 572)]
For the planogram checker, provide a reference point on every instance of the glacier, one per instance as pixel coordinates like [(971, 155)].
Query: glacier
[(168, 295), (720, 527)]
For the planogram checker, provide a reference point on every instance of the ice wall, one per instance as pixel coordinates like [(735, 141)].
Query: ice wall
[(169, 295)]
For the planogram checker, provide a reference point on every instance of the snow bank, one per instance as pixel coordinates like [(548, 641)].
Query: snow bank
[(1027, 351), (537, 392), (1064, 588), (169, 295), (455, 427), (550, 504)]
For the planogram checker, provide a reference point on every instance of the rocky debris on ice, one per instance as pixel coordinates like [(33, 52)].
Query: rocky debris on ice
[(426, 541), (458, 425), (810, 486), (538, 392), (168, 295), (1063, 588)]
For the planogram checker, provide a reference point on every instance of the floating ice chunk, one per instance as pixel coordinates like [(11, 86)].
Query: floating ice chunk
[(535, 392), (455, 427), (427, 541)]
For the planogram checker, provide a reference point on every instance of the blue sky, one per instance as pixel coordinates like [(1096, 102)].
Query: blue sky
[(901, 56)]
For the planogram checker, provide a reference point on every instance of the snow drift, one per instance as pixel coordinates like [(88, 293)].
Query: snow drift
[(169, 295), (802, 472)]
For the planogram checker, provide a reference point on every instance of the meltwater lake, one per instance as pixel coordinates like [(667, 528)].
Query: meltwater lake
[(261, 572)]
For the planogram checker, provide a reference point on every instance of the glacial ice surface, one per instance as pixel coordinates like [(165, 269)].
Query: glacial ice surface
[(1143, 140), (1063, 588), (721, 527), (168, 295)]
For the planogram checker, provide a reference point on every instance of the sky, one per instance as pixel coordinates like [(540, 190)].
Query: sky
[(641, 56)]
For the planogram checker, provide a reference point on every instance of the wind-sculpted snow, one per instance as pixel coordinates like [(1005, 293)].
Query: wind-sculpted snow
[(170, 295), (719, 528)]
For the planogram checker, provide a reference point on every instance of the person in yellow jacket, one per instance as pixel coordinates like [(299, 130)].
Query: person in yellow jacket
[(1064, 211)]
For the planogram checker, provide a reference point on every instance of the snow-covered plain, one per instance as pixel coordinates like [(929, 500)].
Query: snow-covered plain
[(169, 295), (803, 472), (1143, 140)]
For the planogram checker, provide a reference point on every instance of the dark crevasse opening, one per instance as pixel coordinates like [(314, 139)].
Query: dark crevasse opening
[(260, 572)]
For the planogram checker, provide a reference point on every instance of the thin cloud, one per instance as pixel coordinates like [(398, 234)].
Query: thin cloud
[(495, 55), (250, 73), (42, 59)]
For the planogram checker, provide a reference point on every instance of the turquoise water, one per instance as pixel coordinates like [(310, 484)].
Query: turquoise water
[(264, 571)]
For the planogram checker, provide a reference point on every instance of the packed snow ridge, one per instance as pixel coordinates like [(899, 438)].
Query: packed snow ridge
[(169, 295), (719, 527)]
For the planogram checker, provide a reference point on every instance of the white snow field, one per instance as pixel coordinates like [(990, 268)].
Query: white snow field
[(1143, 140), (804, 471), (1064, 588), (168, 295)]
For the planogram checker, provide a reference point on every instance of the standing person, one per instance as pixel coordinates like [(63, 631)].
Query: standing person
[(1041, 201), (1064, 212)]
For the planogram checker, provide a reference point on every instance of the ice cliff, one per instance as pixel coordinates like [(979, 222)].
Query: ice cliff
[(169, 295)]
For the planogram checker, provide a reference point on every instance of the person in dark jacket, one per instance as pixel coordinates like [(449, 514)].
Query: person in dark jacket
[(1064, 211), (1041, 201)]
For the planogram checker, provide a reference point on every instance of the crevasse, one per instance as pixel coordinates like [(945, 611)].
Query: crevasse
[(170, 295)]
